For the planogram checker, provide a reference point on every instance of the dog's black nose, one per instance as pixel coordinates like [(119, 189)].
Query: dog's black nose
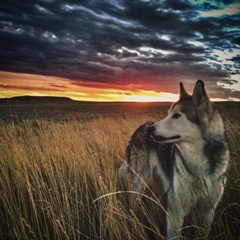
[(151, 129)]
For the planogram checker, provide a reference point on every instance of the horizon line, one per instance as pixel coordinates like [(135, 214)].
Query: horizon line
[(107, 101)]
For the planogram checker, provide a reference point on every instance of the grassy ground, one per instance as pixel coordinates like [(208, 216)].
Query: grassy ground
[(56, 164)]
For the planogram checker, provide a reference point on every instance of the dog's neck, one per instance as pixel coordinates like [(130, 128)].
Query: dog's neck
[(192, 154)]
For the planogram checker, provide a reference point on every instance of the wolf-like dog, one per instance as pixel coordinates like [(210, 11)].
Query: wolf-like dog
[(189, 154)]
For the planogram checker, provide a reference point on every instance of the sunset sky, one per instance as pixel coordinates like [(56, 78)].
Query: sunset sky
[(119, 50)]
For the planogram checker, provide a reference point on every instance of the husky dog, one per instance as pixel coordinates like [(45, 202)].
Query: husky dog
[(188, 152)]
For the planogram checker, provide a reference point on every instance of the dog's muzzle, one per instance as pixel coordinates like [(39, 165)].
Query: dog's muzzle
[(160, 138), (151, 129)]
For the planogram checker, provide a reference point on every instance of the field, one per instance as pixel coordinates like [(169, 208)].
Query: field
[(58, 171)]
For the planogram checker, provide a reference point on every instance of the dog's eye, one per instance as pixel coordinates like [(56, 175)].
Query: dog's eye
[(176, 115)]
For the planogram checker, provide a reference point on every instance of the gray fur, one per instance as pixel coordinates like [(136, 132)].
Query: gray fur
[(189, 153)]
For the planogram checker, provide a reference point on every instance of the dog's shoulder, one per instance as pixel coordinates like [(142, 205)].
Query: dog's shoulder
[(141, 137), (141, 141)]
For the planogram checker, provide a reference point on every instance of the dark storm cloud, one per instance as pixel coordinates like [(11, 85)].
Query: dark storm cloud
[(147, 43)]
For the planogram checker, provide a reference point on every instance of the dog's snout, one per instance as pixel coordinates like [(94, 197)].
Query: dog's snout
[(151, 129)]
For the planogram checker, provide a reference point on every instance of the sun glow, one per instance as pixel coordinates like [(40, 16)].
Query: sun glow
[(19, 84), (150, 96)]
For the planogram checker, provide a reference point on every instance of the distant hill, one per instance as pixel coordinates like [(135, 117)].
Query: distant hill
[(37, 99)]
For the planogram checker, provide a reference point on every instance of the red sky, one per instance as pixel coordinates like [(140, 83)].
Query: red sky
[(20, 84), (119, 50)]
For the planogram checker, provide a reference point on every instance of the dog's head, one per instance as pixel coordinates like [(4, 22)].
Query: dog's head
[(185, 117)]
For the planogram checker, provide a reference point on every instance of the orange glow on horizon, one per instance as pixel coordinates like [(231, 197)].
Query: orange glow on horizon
[(20, 84)]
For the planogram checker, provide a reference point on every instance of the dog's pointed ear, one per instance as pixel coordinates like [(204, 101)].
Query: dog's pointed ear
[(200, 98), (199, 93), (182, 92)]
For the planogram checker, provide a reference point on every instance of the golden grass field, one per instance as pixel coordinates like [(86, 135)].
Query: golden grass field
[(58, 171)]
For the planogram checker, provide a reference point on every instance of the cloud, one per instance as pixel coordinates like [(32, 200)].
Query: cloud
[(152, 44), (31, 88), (231, 9)]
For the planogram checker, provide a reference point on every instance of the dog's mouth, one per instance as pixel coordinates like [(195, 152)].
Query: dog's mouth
[(164, 139)]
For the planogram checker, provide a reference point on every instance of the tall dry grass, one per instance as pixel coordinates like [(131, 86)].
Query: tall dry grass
[(53, 176)]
